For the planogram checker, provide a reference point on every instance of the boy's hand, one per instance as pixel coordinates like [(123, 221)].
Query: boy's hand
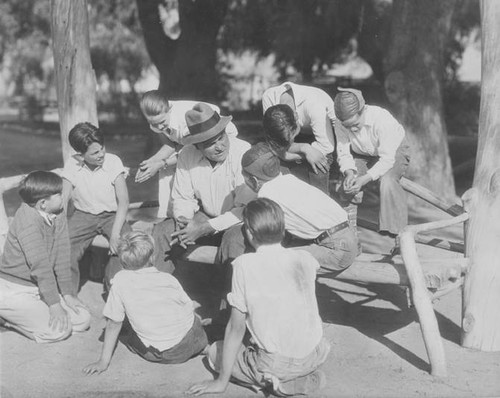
[(95, 368), (58, 317), (147, 169), (73, 302), (350, 176), (358, 184), (316, 159), (207, 387), (113, 244)]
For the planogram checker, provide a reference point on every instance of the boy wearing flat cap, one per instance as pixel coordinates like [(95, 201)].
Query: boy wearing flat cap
[(209, 192), (371, 146), (314, 222)]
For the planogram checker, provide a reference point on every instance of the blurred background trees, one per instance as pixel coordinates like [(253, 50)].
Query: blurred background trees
[(404, 55)]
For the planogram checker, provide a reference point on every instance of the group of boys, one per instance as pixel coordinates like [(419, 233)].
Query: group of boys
[(267, 207)]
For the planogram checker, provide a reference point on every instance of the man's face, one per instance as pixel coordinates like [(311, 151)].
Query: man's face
[(355, 123), (159, 123), (94, 155), (215, 149)]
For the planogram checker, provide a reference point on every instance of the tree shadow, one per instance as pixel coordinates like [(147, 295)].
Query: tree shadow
[(374, 322)]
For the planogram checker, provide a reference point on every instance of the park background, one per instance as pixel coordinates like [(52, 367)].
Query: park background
[(421, 60)]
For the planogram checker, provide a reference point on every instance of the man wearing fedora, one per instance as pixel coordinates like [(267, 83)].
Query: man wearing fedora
[(371, 146), (209, 192)]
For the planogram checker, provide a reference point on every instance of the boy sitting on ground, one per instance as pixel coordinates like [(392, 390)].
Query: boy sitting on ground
[(273, 294), (37, 298), (163, 326), (95, 180)]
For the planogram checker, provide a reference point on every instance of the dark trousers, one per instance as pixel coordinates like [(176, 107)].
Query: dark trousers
[(393, 215), (83, 228), (304, 172), (166, 254), (193, 343)]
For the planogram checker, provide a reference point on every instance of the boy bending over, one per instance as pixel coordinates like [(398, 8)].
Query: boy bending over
[(164, 327), (273, 294), (37, 297)]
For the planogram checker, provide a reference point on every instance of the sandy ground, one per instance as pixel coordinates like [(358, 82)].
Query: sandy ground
[(377, 346)]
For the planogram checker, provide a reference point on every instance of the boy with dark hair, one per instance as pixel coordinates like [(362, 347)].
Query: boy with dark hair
[(273, 293), (166, 118), (95, 180), (37, 297), (313, 111), (164, 327)]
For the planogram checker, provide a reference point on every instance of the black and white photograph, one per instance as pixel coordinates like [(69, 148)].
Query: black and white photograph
[(249, 198)]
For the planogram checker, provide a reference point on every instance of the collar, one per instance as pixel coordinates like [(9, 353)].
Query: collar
[(82, 165), (297, 92), (369, 119), (47, 217), (146, 270), (269, 248)]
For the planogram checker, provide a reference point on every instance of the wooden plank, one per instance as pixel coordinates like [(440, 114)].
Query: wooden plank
[(427, 195)]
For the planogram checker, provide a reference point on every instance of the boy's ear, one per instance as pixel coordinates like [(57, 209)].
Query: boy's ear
[(78, 156), (41, 204)]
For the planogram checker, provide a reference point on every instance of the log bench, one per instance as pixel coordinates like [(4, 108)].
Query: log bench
[(405, 270)]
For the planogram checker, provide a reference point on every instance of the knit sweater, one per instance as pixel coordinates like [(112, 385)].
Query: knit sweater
[(38, 254)]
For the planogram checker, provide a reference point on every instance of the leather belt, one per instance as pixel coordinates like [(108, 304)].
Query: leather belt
[(332, 231)]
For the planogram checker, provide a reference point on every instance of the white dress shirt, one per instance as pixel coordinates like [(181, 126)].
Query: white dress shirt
[(221, 190), (381, 135), (275, 288), (308, 211), (314, 109), (94, 190)]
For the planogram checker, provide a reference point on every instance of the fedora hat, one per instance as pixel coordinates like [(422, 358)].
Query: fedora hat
[(204, 123)]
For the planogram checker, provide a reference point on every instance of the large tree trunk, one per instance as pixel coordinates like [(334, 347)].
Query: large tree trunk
[(187, 64), (481, 295), (75, 78), (414, 73)]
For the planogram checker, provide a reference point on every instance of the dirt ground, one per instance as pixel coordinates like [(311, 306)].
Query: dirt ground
[(377, 345)]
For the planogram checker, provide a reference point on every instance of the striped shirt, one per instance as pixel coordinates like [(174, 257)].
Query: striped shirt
[(38, 254)]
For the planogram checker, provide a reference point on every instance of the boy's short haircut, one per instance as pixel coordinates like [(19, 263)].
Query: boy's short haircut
[(135, 250), (154, 102), (39, 185), (83, 135), (265, 219), (279, 126), (261, 162)]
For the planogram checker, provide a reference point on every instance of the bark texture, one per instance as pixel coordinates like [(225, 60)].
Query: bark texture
[(413, 83), (186, 65), (75, 78), (481, 294)]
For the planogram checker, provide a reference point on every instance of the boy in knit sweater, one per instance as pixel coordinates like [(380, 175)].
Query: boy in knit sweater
[(37, 297)]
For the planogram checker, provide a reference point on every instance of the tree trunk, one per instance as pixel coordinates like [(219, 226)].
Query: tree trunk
[(75, 78), (186, 65), (481, 294), (413, 84)]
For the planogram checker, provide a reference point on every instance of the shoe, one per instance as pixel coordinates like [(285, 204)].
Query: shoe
[(304, 385)]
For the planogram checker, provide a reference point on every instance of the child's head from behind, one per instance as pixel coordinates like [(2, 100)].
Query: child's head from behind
[(42, 189), (88, 141), (280, 126), (264, 222), (155, 106), (135, 250), (259, 164)]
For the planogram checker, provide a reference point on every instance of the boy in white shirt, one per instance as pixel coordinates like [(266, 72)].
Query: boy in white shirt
[(273, 295), (371, 146), (163, 325)]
